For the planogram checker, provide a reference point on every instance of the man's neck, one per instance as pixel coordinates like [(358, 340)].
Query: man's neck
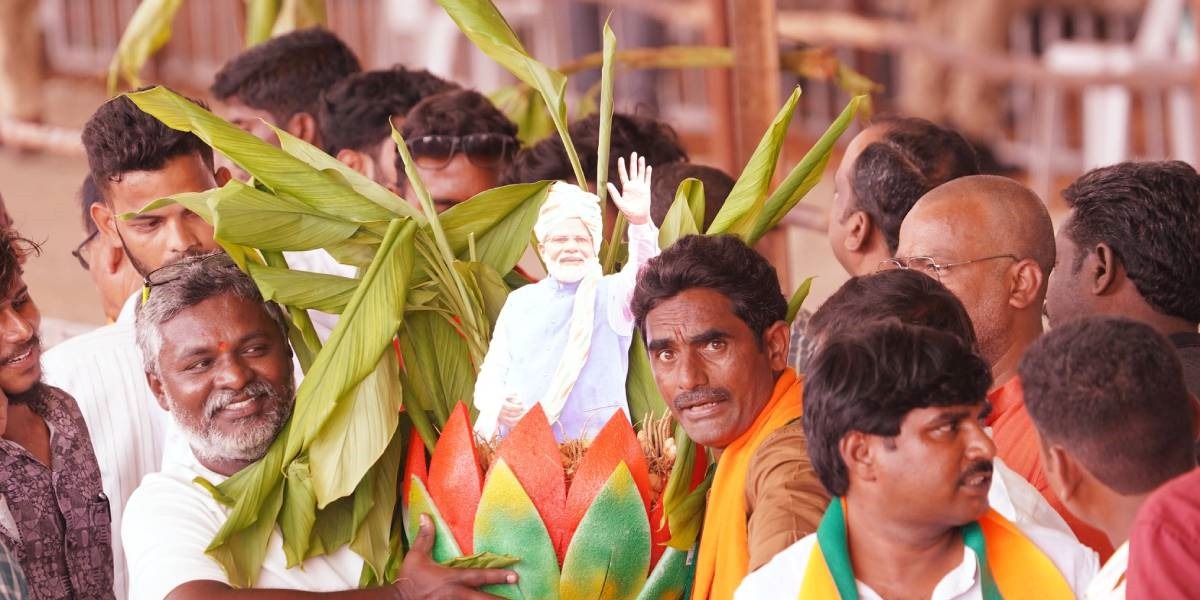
[(1004, 367), (1116, 518), (222, 466), (896, 559), (29, 430), (869, 258)]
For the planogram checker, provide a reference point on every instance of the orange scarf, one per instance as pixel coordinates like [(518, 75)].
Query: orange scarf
[(719, 572)]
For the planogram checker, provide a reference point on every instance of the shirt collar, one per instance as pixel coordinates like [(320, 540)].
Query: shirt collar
[(129, 309), (1005, 398)]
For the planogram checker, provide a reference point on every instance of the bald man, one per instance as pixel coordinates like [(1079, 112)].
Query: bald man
[(990, 241)]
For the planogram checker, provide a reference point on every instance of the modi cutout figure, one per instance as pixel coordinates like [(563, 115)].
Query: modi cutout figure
[(563, 342)]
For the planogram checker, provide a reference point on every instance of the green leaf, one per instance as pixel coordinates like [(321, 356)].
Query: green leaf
[(374, 538), (798, 299), (356, 433), (686, 215), (299, 14), (805, 175), (687, 516), (200, 203), (270, 166), (260, 18), (437, 362), (524, 107), (482, 560), (298, 513), (501, 220), (640, 388), (493, 291), (149, 29), (246, 216), (352, 352), (301, 289), (445, 548), (669, 579), (490, 32), (606, 112), (365, 186), (745, 200), (609, 554), (508, 523)]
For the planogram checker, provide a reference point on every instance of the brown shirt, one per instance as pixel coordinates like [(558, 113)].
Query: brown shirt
[(784, 497), (56, 519)]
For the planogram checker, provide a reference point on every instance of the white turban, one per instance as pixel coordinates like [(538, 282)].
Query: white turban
[(567, 201)]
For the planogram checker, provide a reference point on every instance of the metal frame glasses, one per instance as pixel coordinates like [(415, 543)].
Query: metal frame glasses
[(929, 265), (168, 273), (78, 251)]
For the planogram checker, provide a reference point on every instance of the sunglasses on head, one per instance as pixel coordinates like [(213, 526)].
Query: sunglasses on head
[(484, 150), (168, 273)]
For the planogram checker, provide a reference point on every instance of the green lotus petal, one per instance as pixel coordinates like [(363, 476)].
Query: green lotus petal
[(420, 502), (670, 578), (610, 552), (508, 523)]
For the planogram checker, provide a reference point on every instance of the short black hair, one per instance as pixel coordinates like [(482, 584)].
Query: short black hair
[(120, 139), (902, 294), (547, 159), (1111, 392), (666, 180), (13, 248), (286, 74), (356, 111), (912, 157), (869, 379), (456, 112), (722, 263), (89, 194), (1149, 214)]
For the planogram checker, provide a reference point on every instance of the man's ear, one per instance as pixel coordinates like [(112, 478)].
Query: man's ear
[(222, 176), (857, 453), (110, 257), (1104, 270), (103, 217), (304, 126), (1066, 470), (858, 231), (358, 161), (776, 339), (156, 388), (1027, 280)]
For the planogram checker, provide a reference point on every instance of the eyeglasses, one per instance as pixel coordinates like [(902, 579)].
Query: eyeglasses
[(78, 251), (930, 266), (168, 273), (484, 150)]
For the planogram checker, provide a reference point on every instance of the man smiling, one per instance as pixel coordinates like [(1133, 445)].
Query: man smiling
[(895, 428), (713, 318)]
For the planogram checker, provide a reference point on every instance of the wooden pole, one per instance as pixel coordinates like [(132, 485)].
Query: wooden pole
[(755, 42), (719, 85)]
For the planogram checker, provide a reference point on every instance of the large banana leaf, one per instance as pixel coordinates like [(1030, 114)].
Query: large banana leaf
[(277, 222), (500, 221), (490, 32), (316, 291), (260, 19), (148, 30), (686, 215), (269, 165), (641, 390), (606, 113), (299, 14), (375, 540)]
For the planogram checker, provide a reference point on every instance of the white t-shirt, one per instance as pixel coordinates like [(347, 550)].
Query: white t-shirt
[(170, 520), (783, 576), (1109, 584)]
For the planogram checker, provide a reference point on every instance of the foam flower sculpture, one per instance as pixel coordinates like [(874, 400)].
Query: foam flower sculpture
[(602, 535)]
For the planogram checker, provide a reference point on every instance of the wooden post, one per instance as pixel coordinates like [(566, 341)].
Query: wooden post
[(719, 83), (755, 41)]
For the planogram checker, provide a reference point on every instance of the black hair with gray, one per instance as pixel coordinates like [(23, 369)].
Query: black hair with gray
[(186, 284)]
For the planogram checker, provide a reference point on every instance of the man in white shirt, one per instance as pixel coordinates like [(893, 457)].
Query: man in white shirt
[(894, 419), (218, 359), (1114, 424)]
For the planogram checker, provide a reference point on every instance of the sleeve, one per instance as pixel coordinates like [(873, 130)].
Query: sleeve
[(785, 499), (165, 533), (643, 245), (1162, 562), (491, 384)]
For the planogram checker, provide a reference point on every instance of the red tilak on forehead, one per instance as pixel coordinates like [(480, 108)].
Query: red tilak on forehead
[(222, 346)]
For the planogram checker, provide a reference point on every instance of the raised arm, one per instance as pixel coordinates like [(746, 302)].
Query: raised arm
[(634, 202)]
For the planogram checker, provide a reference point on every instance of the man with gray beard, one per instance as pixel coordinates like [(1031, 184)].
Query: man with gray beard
[(217, 358)]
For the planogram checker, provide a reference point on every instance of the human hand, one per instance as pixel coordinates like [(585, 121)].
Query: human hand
[(511, 411), (634, 198), (421, 578)]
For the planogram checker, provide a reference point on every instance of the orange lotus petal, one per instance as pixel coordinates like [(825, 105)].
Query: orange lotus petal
[(659, 536), (455, 478), (414, 465), (532, 452), (616, 443)]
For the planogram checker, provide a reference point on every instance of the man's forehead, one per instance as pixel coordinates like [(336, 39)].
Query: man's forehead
[(136, 189), (695, 309)]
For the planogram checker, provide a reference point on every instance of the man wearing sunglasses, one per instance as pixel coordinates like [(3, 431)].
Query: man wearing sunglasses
[(460, 143), (134, 160), (104, 261), (990, 241)]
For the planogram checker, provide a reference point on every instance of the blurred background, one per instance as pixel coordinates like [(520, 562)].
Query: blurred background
[(1045, 89)]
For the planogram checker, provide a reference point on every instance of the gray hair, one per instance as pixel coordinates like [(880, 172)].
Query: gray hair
[(188, 283)]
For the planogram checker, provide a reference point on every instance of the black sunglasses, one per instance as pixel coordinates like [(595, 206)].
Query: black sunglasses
[(484, 150), (78, 251)]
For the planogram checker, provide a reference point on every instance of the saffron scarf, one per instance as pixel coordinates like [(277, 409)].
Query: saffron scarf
[(724, 555), (1009, 564)]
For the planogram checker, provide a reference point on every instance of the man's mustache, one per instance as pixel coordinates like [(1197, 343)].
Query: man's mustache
[(701, 395), (976, 468), (34, 342), (219, 399)]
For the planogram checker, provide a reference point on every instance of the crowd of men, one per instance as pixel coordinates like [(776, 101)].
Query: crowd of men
[(918, 436)]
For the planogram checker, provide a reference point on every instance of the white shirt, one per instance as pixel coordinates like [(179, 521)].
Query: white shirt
[(103, 371), (319, 261), (170, 520), (1018, 501), (1109, 583), (783, 576)]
